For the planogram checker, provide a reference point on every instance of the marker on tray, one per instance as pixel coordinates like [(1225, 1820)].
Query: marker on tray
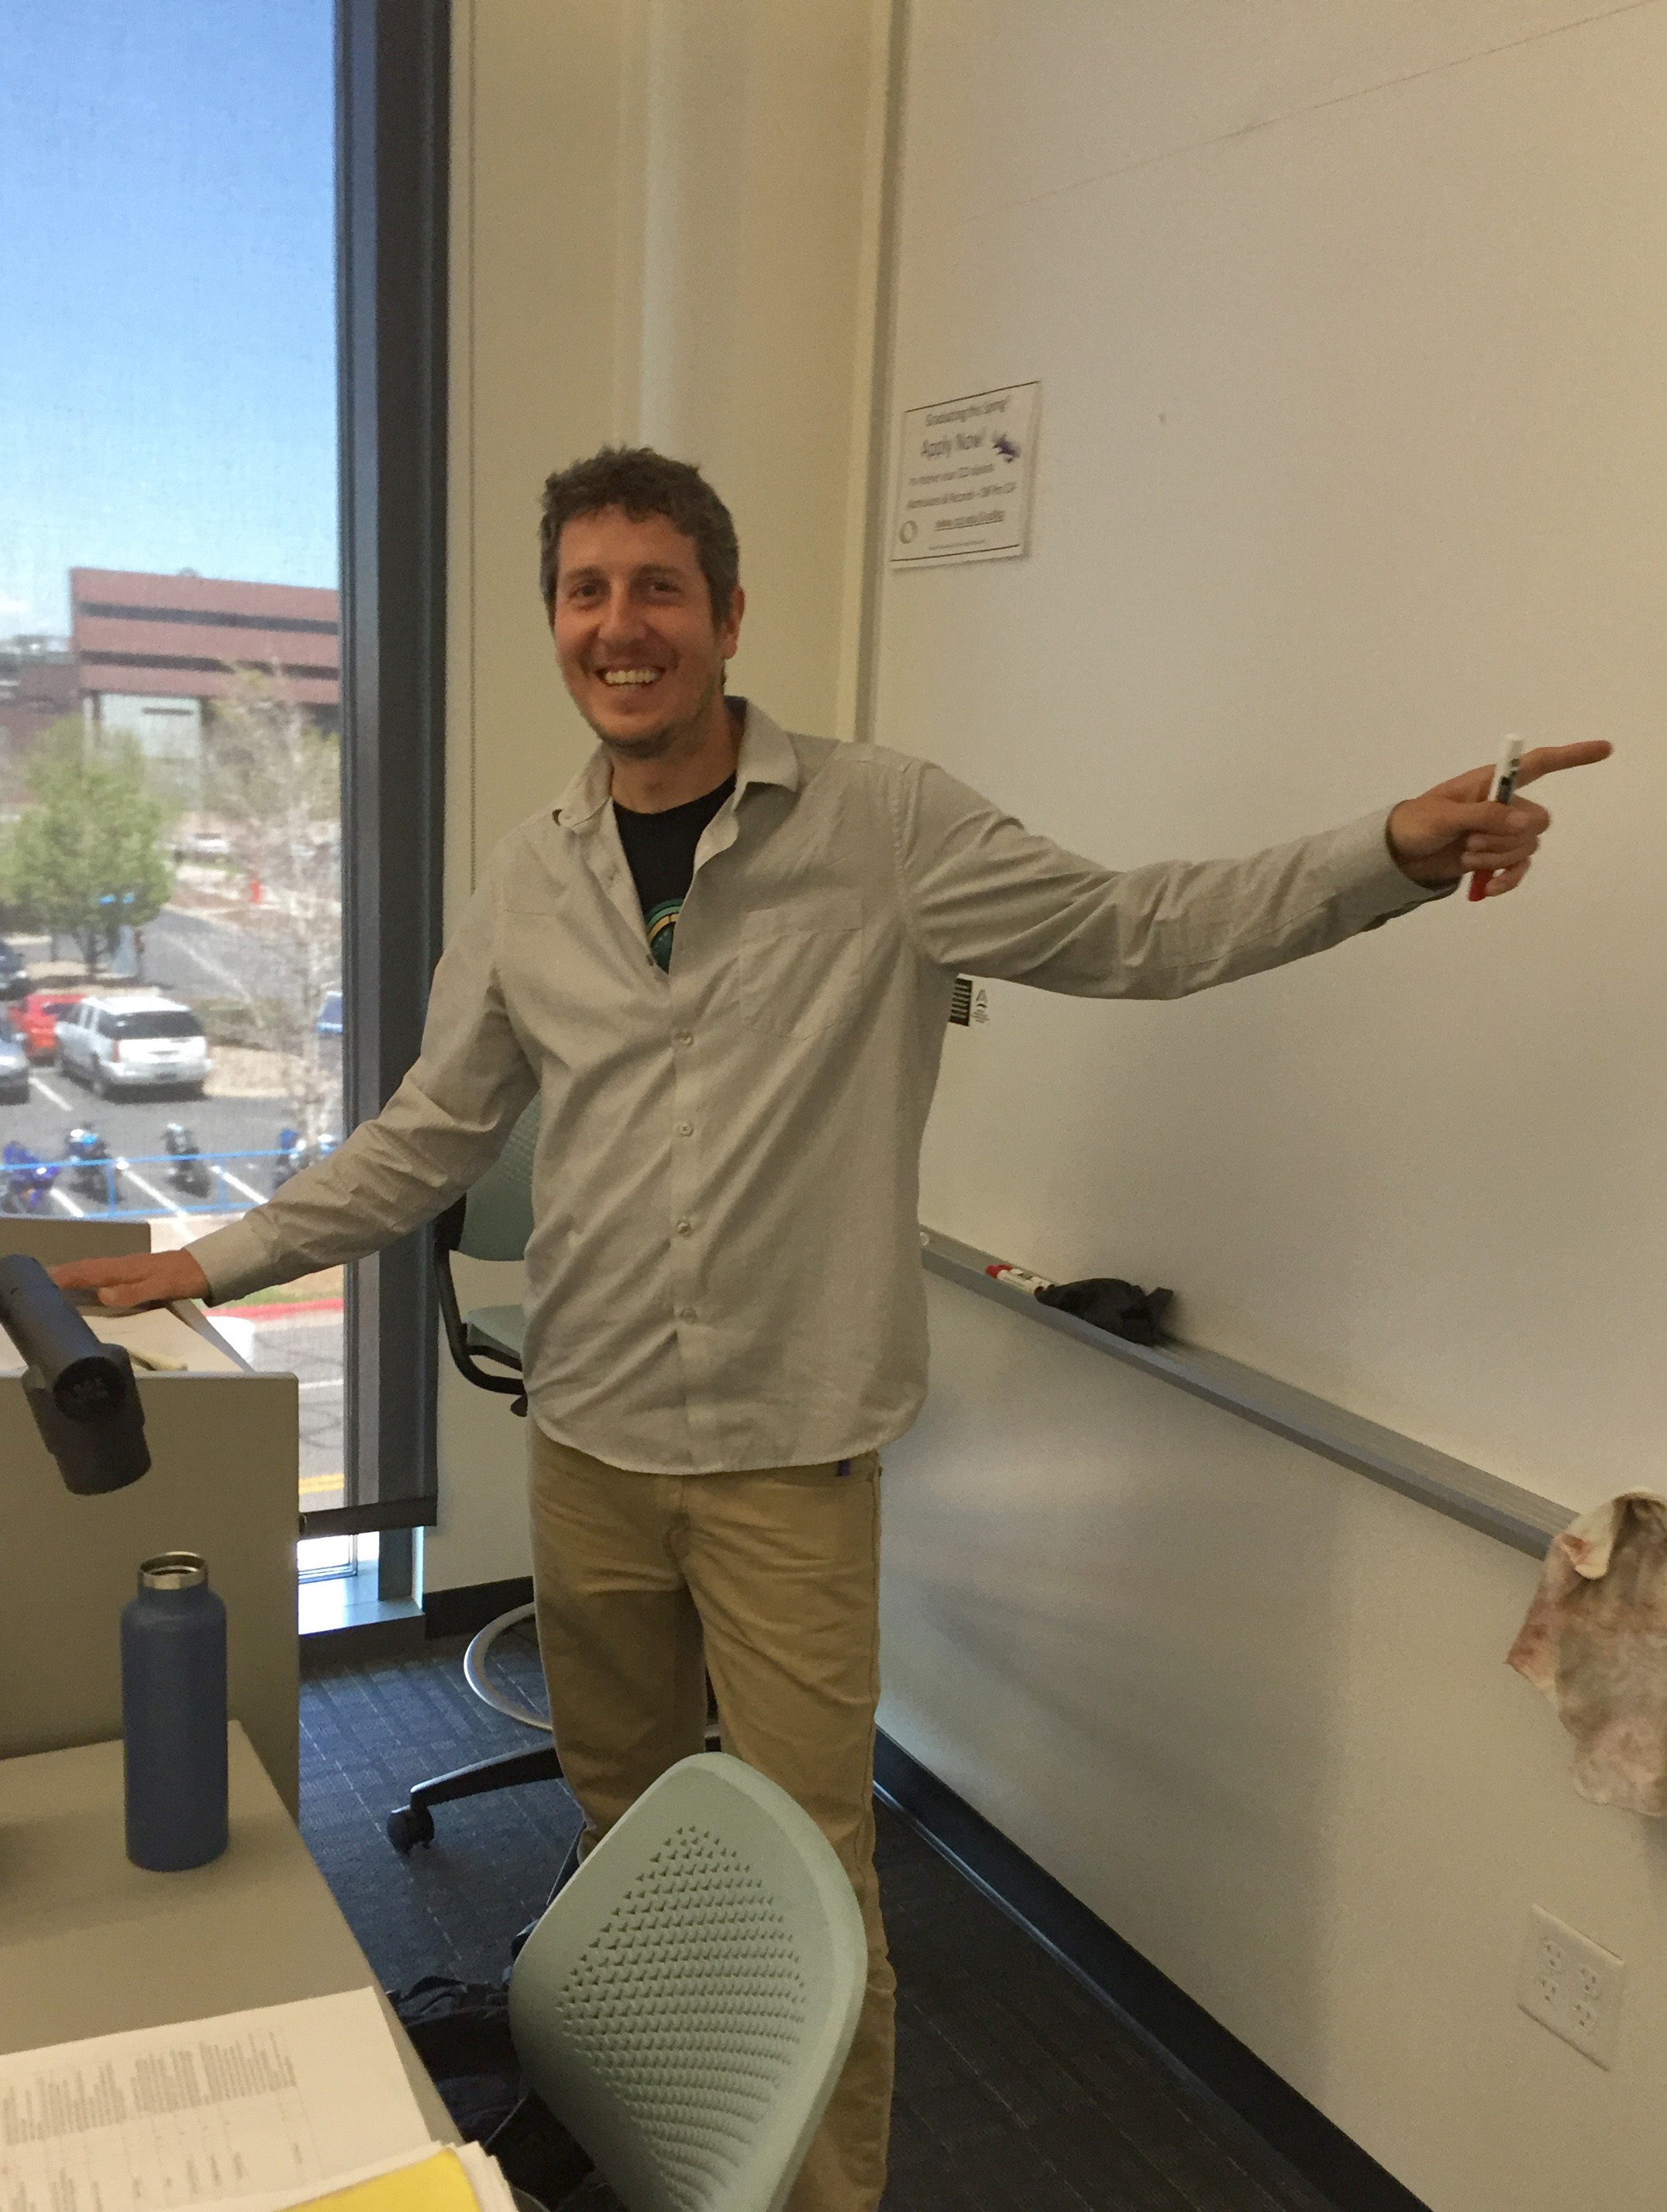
[(1505, 785), (1020, 1278)]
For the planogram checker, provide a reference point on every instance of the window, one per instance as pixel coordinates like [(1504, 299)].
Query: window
[(153, 1025), (222, 436)]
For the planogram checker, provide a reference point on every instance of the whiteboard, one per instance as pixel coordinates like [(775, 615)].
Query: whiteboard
[(1350, 332)]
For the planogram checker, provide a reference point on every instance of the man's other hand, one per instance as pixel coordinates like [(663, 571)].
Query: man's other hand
[(141, 1279), (1457, 827)]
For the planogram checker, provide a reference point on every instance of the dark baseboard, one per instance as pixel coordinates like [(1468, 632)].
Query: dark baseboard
[(360, 1641), (465, 1610), (1248, 2094), (344, 1621)]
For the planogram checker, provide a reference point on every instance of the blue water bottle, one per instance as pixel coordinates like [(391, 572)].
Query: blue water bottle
[(173, 1715)]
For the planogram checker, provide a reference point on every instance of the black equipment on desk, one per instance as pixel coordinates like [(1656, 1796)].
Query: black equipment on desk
[(81, 1393)]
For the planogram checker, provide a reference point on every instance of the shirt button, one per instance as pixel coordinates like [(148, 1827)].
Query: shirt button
[(687, 1313), (685, 1129), (685, 1226), (685, 1036)]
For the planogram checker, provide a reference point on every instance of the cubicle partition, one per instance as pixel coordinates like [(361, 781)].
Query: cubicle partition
[(222, 1444)]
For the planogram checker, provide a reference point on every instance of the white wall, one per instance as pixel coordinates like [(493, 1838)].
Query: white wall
[(759, 130), (1250, 1708), (1349, 322), (665, 229)]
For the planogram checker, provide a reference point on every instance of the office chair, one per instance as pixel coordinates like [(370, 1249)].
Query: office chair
[(491, 1221), (685, 2003)]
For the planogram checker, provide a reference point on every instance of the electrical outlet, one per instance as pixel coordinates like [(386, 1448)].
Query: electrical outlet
[(1572, 1985)]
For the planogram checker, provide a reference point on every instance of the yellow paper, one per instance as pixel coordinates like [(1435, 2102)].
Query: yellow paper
[(438, 2184)]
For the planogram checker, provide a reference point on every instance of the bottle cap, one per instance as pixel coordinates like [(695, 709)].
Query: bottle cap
[(172, 1571)]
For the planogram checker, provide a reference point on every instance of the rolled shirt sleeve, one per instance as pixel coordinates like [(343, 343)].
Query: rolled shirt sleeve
[(439, 1133), (986, 896)]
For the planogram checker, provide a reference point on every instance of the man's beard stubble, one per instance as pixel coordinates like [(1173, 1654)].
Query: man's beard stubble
[(661, 743)]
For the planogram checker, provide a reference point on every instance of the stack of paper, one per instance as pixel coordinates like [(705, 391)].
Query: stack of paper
[(286, 2105)]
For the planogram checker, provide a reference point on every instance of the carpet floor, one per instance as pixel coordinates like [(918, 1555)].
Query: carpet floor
[(1017, 2089)]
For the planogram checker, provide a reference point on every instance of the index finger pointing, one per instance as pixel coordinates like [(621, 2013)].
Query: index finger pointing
[(1547, 759)]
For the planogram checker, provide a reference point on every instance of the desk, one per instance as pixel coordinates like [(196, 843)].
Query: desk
[(90, 1944)]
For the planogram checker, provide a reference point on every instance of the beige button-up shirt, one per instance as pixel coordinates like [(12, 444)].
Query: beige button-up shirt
[(725, 1270)]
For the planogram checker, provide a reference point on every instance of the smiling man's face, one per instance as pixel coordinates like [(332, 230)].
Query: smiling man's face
[(635, 632)]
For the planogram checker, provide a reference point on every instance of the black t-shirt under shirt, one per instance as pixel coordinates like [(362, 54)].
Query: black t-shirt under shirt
[(660, 848)]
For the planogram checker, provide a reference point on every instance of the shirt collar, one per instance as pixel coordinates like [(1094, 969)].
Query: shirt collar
[(766, 756)]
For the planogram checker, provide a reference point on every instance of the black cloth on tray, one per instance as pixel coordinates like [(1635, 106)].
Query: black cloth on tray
[(1107, 1301)]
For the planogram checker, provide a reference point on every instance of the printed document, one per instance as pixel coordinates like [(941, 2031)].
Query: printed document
[(274, 2104)]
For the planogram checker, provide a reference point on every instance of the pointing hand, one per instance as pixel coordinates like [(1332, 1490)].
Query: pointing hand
[(1457, 826)]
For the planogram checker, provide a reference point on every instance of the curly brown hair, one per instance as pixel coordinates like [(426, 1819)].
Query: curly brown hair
[(642, 482)]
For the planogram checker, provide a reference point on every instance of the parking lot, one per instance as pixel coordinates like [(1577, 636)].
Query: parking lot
[(237, 1135), (241, 1132), (190, 959)]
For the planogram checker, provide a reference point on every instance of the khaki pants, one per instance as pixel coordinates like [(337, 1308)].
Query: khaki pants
[(769, 1581)]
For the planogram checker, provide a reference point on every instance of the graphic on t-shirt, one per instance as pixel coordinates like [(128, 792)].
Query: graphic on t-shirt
[(660, 851), (662, 922)]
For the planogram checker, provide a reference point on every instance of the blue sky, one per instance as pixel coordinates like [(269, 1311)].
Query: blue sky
[(167, 339)]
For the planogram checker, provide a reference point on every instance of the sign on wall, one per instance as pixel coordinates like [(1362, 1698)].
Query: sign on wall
[(964, 471)]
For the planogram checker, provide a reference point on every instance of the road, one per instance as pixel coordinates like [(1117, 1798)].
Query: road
[(191, 957)]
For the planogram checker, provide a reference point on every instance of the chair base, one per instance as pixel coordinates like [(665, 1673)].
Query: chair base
[(413, 1823)]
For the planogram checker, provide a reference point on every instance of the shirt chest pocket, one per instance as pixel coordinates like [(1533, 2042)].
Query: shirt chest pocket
[(801, 965)]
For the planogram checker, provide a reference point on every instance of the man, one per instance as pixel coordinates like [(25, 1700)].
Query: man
[(724, 964)]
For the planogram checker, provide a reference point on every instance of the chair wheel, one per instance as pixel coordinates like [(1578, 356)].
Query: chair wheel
[(409, 1824)]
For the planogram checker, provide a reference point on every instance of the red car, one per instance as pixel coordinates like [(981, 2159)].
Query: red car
[(36, 1018)]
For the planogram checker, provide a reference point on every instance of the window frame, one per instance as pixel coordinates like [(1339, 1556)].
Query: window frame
[(392, 150)]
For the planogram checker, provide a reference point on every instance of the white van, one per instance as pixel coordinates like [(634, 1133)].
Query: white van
[(140, 1038)]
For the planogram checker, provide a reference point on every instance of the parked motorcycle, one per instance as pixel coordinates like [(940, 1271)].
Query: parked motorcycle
[(294, 1153), (187, 1171), (25, 1180), (290, 1157), (91, 1166)]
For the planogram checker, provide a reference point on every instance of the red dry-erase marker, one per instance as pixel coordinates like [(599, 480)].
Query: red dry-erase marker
[(1505, 783), (1020, 1278)]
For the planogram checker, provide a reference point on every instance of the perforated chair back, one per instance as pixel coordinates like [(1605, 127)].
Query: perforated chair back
[(497, 1212), (685, 2004)]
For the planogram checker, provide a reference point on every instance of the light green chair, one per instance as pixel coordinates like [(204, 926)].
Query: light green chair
[(686, 2003)]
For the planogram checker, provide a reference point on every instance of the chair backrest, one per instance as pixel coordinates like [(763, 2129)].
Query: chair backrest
[(686, 2003), (497, 1218)]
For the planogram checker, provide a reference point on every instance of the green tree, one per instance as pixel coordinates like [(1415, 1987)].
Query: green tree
[(88, 855)]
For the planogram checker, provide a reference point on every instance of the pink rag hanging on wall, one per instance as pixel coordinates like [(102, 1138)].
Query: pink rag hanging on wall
[(1594, 1641)]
